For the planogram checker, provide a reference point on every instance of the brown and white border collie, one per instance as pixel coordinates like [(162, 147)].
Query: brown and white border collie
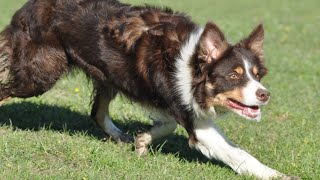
[(154, 56)]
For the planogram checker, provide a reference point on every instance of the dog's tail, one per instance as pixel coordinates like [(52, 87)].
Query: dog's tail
[(5, 62)]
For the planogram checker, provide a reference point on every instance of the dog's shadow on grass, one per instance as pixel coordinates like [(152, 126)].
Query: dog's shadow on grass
[(30, 116)]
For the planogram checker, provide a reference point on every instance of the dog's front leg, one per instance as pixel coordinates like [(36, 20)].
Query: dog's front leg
[(214, 145)]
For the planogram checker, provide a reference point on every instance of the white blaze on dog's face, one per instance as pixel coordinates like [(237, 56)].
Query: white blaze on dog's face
[(253, 94), (232, 73)]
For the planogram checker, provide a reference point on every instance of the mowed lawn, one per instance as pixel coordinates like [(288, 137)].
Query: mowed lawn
[(52, 136)]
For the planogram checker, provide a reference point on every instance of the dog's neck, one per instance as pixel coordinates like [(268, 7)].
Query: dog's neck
[(184, 69)]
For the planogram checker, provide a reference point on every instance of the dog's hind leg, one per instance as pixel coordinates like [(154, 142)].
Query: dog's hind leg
[(4, 100), (28, 67), (36, 74), (164, 124), (100, 113), (4, 94), (5, 57)]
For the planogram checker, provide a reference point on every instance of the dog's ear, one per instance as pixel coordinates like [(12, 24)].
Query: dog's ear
[(212, 43), (254, 42)]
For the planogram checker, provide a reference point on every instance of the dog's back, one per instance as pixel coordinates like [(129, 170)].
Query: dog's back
[(125, 48), (104, 38)]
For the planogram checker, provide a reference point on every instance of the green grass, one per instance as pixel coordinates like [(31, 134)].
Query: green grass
[(52, 136)]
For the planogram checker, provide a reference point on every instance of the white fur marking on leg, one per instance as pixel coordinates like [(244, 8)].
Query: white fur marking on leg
[(110, 128), (142, 142), (214, 145), (164, 125)]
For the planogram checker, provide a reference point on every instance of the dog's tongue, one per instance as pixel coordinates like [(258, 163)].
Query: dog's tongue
[(251, 112)]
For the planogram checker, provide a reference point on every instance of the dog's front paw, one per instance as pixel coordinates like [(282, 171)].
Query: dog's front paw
[(285, 177), (142, 142)]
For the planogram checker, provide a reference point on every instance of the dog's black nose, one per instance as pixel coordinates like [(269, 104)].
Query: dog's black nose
[(263, 95)]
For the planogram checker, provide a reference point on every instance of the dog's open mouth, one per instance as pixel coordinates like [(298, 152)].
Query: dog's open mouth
[(247, 111)]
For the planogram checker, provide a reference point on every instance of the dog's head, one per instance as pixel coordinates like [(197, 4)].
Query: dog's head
[(229, 75)]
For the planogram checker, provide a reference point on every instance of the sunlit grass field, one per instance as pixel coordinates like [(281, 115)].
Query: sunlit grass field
[(52, 136)]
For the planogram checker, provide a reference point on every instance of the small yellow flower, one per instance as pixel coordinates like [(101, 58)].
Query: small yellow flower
[(76, 90), (284, 38), (287, 29)]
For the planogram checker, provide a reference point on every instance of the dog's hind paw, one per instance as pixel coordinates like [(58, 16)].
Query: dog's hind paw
[(122, 138), (3, 101), (142, 142), (142, 151), (125, 138)]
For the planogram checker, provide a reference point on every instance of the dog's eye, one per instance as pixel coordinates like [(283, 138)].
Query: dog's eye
[(234, 76)]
